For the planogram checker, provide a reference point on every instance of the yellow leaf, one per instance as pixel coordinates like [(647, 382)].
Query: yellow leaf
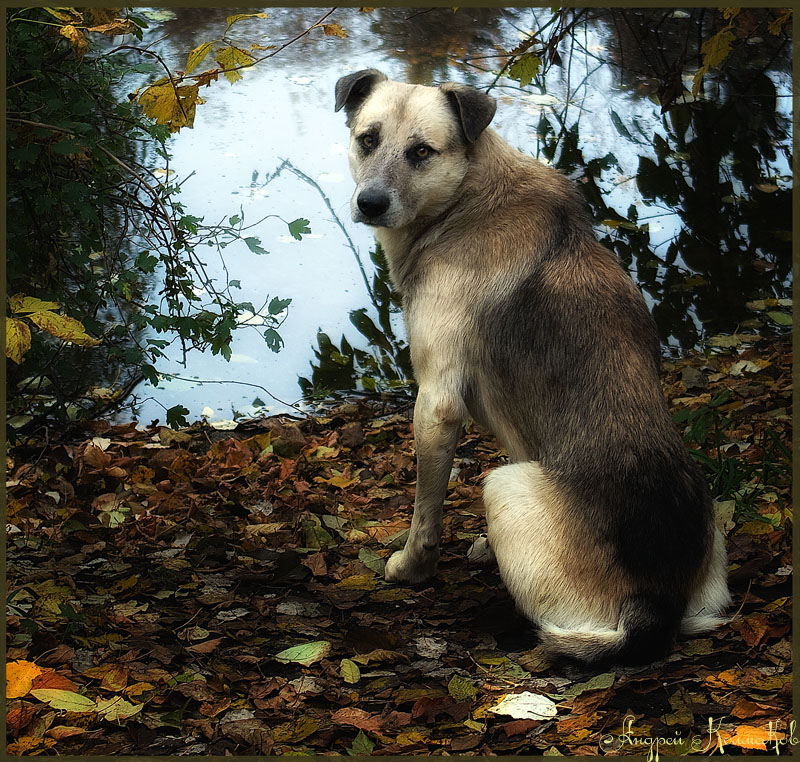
[(119, 26), (117, 708), (334, 30), (231, 59), (69, 700), (76, 39), (295, 730), (20, 676), (24, 304), (25, 743), (715, 50), (358, 582), (171, 105), (18, 339), (749, 737), (239, 16), (197, 55), (61, 16), (349, 671), (777, 25), (63, 327)]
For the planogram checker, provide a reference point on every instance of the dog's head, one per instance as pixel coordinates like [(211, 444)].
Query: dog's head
[(409, 144)]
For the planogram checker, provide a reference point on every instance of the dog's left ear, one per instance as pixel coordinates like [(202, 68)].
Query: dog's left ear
[(473, 108)]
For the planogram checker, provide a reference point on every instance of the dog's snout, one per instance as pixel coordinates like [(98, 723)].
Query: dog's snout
[(372, 203)]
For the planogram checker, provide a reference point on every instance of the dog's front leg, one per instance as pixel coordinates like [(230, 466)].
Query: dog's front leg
[(437, 423)]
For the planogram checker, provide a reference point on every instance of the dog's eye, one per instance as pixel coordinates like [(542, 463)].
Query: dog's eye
[(369, 141), (422, 152)]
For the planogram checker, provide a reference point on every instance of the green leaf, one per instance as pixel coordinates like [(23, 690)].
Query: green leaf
[(68, 700), (598, 682), (197, 55), (372, 560), (146, 262), (176, 417), (461, 689), (305, 654), (525, 68), (298, 227), (362, 746), (349, 671), (781, 318), (317, 537), (254, 244), (273, 339), (278, 305)]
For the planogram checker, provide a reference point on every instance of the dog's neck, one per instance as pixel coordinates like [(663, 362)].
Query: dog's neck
[(403, 246)]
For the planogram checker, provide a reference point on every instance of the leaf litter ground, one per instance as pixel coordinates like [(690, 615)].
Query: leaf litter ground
[(208, 592)]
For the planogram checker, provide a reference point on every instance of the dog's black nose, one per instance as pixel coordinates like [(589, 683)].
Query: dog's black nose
[(372, 203)]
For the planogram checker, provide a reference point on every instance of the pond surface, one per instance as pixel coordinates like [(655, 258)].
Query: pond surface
[(695, 202)]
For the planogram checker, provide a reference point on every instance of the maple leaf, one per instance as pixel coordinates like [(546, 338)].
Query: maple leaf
[(20, 676)]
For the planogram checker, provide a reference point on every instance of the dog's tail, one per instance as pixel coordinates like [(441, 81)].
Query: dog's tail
[(647, 629)]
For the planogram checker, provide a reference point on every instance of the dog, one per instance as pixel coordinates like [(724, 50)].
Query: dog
[(601, 525)]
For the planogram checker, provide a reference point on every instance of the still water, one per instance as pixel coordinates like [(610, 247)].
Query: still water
[(695, 202)]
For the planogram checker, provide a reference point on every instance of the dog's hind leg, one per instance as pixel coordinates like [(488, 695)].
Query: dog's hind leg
[(712, 596), (557, 575), (437, 423)]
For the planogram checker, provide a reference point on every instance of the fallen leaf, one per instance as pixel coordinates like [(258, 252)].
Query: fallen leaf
[(20, 676), (461, 689), (305, 654), (358, 718), (749, 737), (72, 702), (206, 647), (349, 671), (525, 706), (117, 708)]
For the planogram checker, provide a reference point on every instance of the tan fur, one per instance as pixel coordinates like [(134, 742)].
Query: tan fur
[(463, 232)]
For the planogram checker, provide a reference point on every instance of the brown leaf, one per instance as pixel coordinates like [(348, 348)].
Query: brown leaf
[(358, 718), (60, 732), (517, 727), (52, 679), (753, 628), (206, 647), (196, 689), (746, 709), (316, 563), (19, 715), (115, 679), (213, 709)]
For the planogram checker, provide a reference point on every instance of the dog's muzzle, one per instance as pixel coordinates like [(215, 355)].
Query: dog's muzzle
[(372, 203)]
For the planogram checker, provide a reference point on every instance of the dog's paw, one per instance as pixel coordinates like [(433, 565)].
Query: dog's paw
[(403, 567), (481, 553)]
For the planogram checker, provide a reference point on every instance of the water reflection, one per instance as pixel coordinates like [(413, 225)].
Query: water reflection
[(695, 201)]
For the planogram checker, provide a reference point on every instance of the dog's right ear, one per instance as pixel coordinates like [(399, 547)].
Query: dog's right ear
[(352, 89)]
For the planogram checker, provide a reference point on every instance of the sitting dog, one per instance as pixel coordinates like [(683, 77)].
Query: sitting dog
[(602, 525)]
